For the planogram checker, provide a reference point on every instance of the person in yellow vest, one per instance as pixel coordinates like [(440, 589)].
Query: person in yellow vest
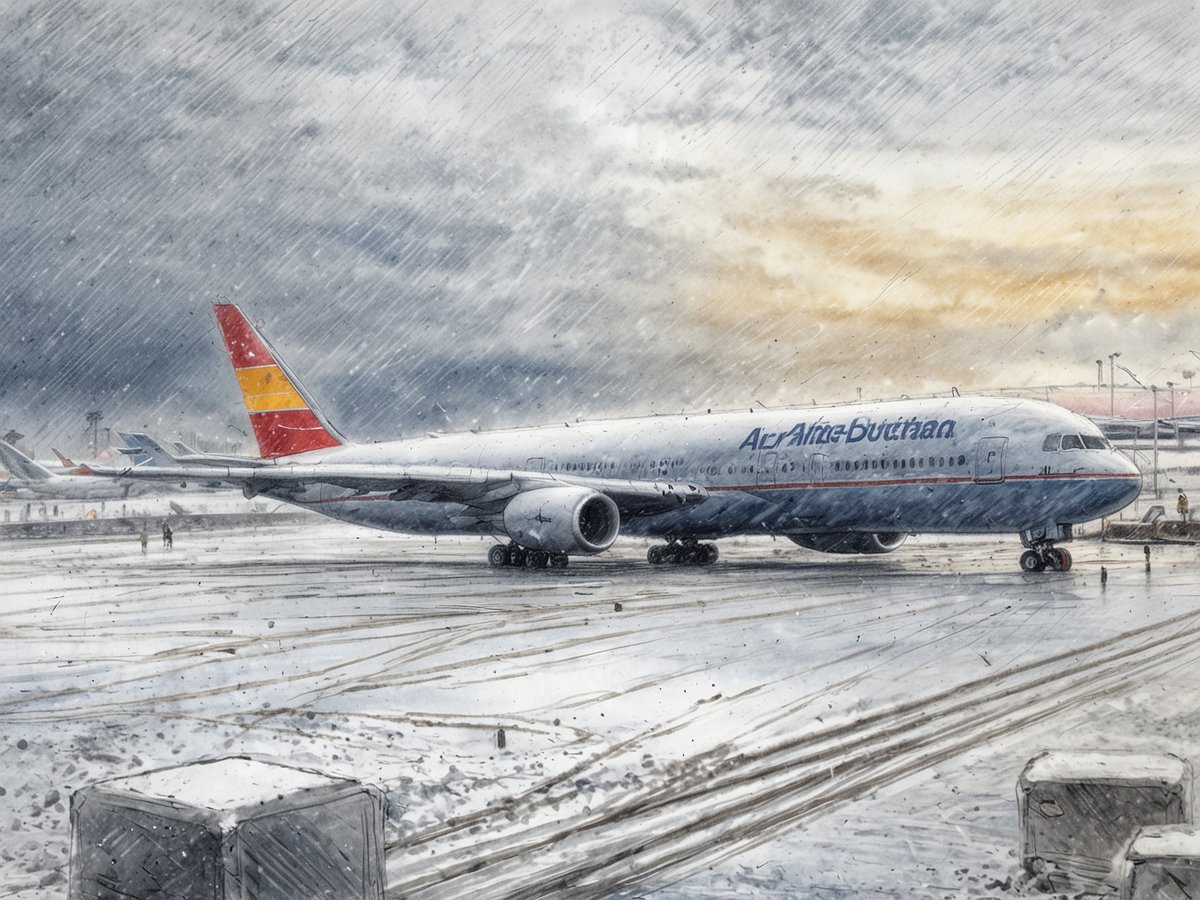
[(1181, 505)]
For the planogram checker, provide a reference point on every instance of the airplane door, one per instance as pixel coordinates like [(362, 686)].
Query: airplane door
[(820, 467), (767, 463), (775, 467), (535, 464), (989, 460)]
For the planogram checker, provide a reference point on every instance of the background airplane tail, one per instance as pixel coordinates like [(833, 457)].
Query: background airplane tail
[(21, 466), (69, 464), (149, 452), (285, 419)]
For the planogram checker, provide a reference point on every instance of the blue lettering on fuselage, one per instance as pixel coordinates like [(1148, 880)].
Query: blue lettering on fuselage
[(860, 428)]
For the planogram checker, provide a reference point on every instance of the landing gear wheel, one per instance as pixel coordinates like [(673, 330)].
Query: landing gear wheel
[(558, 561), (1031, 561), (498, 556), (537, 559), (1058, 559), (655, 555), (517, 556), (711, 554)]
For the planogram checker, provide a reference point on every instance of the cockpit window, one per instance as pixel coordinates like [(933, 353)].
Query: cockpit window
[(1075, 442)]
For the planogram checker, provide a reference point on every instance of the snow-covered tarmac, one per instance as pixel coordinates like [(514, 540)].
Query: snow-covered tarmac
[(781, 724)]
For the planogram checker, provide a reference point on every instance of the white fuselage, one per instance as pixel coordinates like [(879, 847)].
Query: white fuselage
[(955, 465), (78, 487)]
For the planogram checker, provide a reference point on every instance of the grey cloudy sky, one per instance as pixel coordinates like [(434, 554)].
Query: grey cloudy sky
[(520, 213)]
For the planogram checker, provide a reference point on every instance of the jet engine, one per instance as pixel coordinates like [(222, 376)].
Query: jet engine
[(562, 520), (851, 541)]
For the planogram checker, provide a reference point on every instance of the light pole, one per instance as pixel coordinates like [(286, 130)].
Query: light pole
[(1137, 428), (1111, 385), (1174, 424), (93, 419), (1099, 374), (1154, 394)]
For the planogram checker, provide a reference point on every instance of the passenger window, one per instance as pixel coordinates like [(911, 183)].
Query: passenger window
[(1072, 442), (1091, 442), (1051, 442)]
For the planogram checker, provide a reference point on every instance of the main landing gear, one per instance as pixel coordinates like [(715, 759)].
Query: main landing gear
[(1038, 559), (683, 553), (502, 555)]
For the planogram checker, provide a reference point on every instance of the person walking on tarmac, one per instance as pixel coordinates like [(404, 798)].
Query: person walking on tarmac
[(145, 539), (168, 537), (1181, 505)]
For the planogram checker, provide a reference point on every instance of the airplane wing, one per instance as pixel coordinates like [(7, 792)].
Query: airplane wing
[(484, 489)]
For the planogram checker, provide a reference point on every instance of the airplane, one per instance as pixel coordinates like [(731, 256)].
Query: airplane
[(32, 480), (69, 467), (144, 450), (132, 449), (855, 478), (142, 446)]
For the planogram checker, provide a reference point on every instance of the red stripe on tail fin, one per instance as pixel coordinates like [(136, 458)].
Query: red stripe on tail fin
[(285, 420), (246, 348)]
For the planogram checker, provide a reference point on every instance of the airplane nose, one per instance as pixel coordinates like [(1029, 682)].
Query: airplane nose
[(1129, 468)]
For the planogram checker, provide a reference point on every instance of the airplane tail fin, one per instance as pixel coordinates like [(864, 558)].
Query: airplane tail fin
[(155, 453), (285, 419), (133, 450), (70, 465), (21, 466)]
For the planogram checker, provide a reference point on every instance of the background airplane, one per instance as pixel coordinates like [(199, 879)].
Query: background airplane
[(855, 478), (31, 479)]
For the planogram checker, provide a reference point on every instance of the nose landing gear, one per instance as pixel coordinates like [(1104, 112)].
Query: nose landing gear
[(1041, 553), (1038, 559), (683, 553)]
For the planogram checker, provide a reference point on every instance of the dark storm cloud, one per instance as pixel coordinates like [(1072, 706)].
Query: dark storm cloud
[(492, 214)]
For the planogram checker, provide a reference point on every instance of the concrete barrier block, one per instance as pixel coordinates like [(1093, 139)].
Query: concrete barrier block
[(227, 829), (1080, 810), (1163, 863), (1129, 531)]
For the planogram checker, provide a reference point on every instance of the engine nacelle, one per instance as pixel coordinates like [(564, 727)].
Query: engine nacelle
[(563, 520), (851, 541)]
